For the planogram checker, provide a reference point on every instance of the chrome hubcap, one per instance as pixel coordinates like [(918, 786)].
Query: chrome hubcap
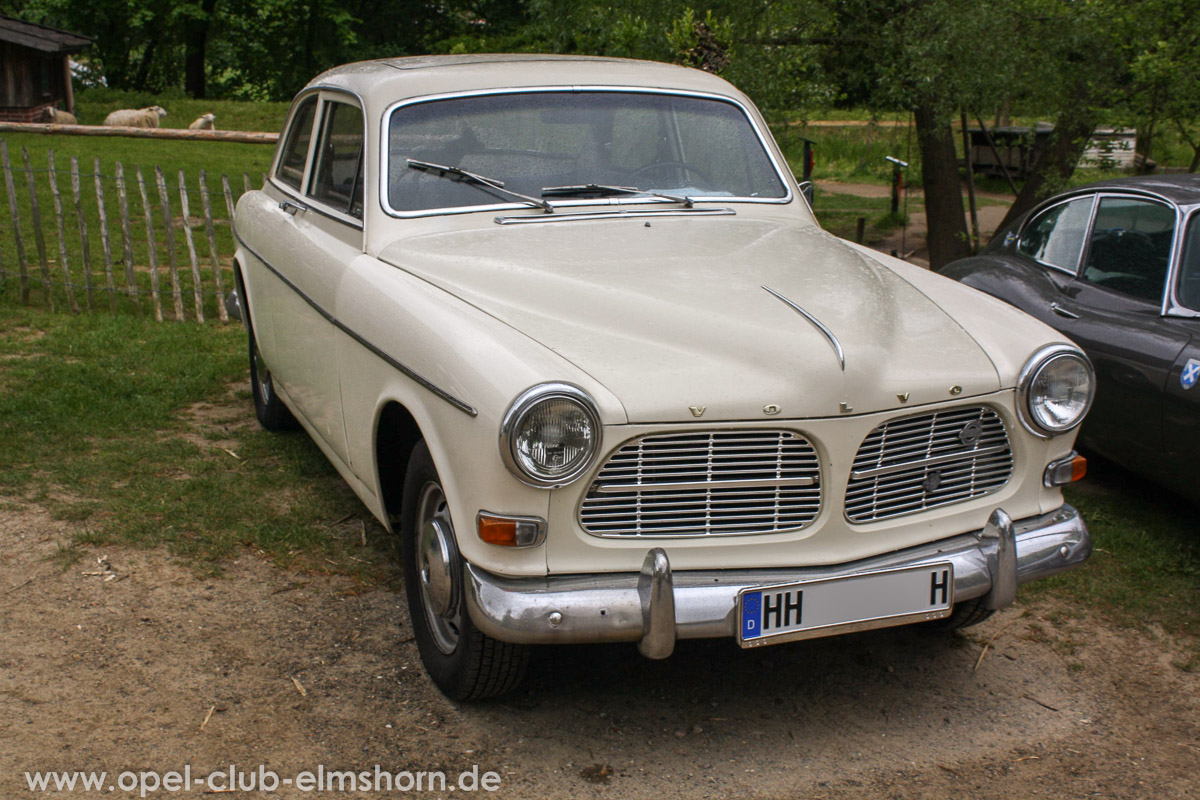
[(437, 568), (262, 375)]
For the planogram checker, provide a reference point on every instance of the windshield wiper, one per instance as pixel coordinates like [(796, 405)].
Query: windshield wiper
[(604, 190), (458, 174)]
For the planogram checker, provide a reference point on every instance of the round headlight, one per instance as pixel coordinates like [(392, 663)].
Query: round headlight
[(550, 435), (1056, 390)]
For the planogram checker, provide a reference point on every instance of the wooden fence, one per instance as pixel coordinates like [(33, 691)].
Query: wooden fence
[(158, 251)]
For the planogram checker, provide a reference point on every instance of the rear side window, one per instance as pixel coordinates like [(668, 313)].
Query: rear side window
[(1130, 247), (295, 148), (337, 181), (1055, 237)]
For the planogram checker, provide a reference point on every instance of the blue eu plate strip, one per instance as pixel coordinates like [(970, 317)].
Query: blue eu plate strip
[(751, 615)]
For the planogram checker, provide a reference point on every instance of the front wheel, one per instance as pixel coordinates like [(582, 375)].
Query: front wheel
[(464, 663)]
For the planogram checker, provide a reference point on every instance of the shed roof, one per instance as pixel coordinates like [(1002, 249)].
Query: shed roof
[(41, 37)]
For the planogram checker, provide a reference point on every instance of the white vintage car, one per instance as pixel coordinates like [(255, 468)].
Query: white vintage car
[(570, 330)]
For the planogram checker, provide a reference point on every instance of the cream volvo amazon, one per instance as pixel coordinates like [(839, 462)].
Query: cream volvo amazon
[(570, 330)]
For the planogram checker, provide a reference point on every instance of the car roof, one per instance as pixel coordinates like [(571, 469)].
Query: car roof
[(1181, 189), (393, 79)]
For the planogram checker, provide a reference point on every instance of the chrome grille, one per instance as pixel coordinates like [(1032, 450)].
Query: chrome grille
[(913, 463), (705, 484)]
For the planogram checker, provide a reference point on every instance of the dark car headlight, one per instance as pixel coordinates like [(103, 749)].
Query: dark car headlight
[(1055, 390), (550, 434)]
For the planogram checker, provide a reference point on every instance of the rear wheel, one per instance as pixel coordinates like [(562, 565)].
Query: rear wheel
[(271, 412), (464, 663)]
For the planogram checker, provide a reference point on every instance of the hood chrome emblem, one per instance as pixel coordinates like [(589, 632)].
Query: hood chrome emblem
[(828, 334), (955, 390), (771, 409), (903, 398), (697, 411)]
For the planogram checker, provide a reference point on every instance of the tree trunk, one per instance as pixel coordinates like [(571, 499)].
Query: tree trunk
[(1057, 162), (947, 225), (196, 45)]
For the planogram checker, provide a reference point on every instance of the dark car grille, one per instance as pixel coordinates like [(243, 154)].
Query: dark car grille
[(704, 484), (913, 463)]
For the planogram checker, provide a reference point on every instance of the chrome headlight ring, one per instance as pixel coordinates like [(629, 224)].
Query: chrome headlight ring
[(1033, 406), (567, 430)]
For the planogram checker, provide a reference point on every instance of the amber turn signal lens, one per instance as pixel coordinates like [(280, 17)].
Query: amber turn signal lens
[(1078, 467), (510, 531), (1065, 470)]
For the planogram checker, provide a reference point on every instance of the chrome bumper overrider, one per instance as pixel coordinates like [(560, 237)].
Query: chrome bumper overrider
[(656, 606)]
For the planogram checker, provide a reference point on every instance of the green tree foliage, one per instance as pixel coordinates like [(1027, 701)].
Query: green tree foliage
[(770, 48)]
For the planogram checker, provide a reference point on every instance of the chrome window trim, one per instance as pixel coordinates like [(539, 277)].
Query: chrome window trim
[(312, 203), (385, 122), (1082, 245), (346, 329), (526, 400), (1171, 305), (1039, 359)]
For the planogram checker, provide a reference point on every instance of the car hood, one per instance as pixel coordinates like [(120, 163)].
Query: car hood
[(672, 316)]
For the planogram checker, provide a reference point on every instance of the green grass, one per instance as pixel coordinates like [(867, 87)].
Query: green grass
[(94, 416), (1145, 570), (93, 105)]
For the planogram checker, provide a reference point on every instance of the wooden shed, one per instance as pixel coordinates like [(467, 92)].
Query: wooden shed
[(35, 71)]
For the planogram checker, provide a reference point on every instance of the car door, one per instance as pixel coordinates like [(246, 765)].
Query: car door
[(1113, 308), (312, 226), (1181, 412)]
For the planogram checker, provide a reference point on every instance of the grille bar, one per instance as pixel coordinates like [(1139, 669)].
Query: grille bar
[(915, 463), (706, 483)]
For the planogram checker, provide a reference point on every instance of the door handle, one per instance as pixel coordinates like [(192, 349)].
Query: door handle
[(288, 207), (1062, 312)]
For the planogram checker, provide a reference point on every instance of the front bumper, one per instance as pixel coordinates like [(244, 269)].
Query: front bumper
[(655, 607)]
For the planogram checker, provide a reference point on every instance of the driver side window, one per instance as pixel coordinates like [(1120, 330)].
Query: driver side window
[(1055, 237), (1130, 247)]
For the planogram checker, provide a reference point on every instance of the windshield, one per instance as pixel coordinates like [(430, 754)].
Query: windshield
[(532, 142)]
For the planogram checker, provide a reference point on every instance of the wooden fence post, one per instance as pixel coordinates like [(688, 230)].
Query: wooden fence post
[(38, 237), (127, 240), (11, 189), (169, 233), (153, 248), (206, 206), (197, 285), (104, 240), (77, 194), (62, 239)]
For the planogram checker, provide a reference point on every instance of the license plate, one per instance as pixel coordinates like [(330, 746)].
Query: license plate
[(806, 610)]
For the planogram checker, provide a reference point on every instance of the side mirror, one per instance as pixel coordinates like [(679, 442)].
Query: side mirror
[(807, 189)]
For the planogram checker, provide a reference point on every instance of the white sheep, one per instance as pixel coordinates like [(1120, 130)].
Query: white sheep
[(57, 117), (204, 123), (135, 118)]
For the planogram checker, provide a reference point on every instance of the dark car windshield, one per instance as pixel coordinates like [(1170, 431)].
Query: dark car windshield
[(681, 145)]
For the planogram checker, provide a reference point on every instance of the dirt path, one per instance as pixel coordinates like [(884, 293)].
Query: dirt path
[(298, 671)]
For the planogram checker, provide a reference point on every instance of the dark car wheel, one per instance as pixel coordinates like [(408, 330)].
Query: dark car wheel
[(963, 615), (464, 663), (271, 412)]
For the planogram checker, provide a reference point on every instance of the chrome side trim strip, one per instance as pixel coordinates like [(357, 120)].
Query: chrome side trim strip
[(933, 461), (837, 346), (651, 212), (328, 317), (770, 483)]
